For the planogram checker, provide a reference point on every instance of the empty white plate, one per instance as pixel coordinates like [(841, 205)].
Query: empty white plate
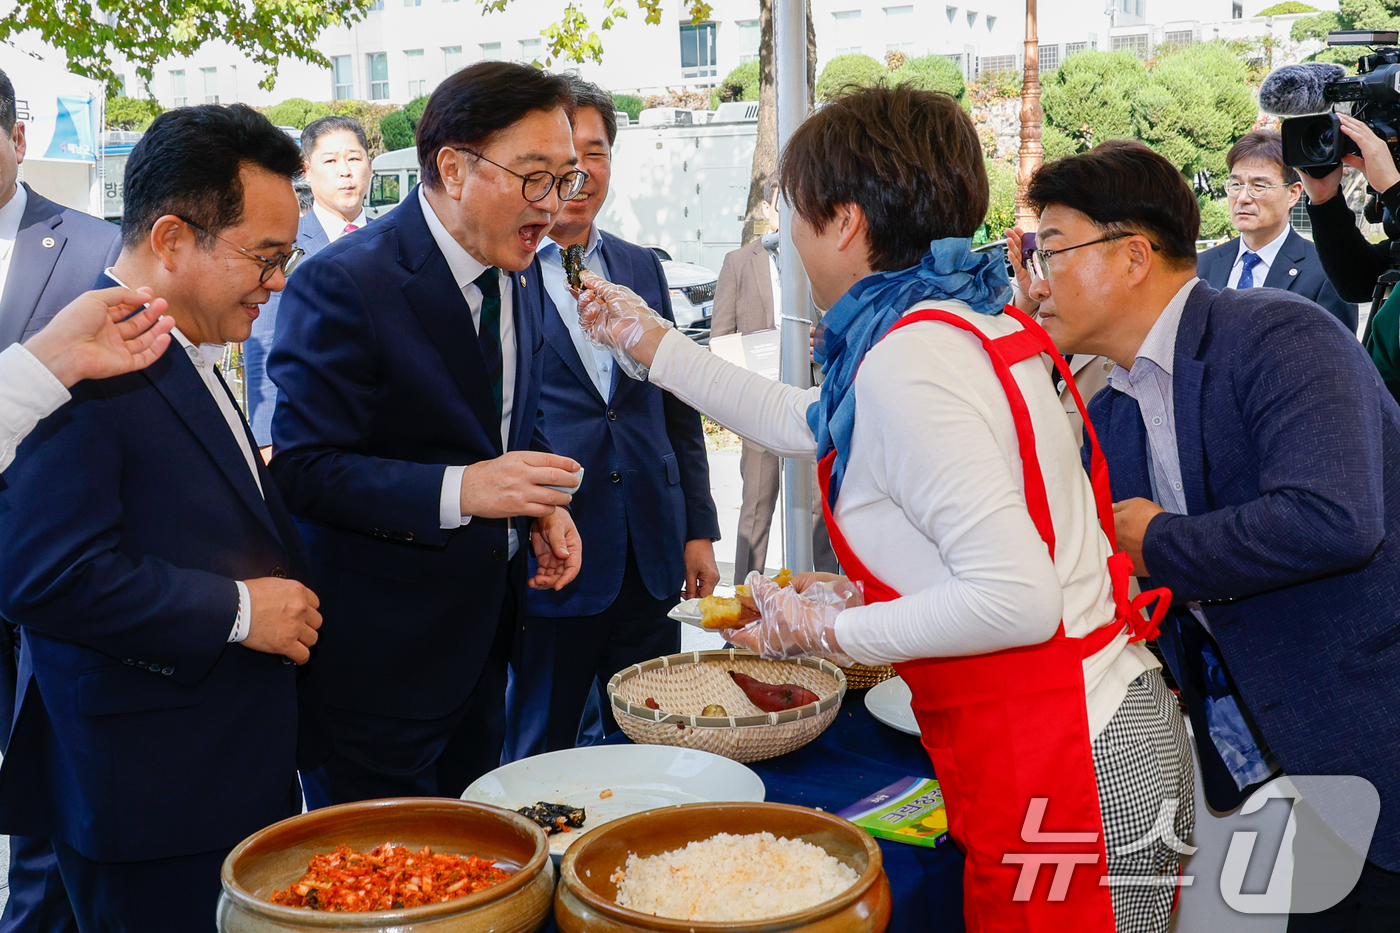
[(888, 701), (639, 777)]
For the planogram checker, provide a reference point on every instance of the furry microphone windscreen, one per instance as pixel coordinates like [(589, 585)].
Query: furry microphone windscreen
[(1297, 90)]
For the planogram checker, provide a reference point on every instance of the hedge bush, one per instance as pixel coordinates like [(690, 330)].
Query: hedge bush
[(397, 131), (131, 113), (297, 112), (931, 73), (629, 104), (845, 71)]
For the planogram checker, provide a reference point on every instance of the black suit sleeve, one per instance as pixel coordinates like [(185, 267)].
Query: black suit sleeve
[(1351, 262)]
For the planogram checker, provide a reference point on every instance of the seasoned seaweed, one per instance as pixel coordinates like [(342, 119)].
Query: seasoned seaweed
[(554, 817), (573, 265)]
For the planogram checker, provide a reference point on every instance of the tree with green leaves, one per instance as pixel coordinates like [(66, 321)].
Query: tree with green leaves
[(94, 33), (1190, 105), (572, 37), (1351, 14)]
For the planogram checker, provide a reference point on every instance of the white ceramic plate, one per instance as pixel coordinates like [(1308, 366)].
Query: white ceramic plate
[(641, 777), (888, 701)]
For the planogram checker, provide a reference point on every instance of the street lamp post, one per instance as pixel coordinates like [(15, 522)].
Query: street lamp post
[(1032, 152)]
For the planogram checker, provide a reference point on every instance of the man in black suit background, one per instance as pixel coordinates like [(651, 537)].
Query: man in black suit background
[(1268, 252), (49, 255)]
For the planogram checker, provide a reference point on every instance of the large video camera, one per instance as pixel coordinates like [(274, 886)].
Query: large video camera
[(1312, 138)]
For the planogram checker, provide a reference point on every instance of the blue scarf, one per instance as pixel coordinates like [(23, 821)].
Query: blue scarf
[(949, 270)]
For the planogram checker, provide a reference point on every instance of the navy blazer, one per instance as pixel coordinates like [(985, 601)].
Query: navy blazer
[(57, 253), (381, 385), (262, 392), (646, 474), (141, 732), (1296, 268), (1292, 486)]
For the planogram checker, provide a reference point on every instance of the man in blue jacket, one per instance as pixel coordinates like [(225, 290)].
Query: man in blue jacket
[(406, 438), (155, 588), (1263, 501), (644, 507)]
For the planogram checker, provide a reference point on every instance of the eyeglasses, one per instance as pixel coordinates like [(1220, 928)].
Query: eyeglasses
[(270, 264), (537, 185), (1039, 259), (1256, 190)]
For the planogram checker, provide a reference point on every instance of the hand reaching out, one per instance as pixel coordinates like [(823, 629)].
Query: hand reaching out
[(97, 336), (794, 623), (616, 318), (558, 550)]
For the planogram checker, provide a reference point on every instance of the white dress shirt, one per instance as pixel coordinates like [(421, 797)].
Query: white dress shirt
[(205, 358), (465, 271), (776, 280), (10, 216), (1266, 255), (598, 362), (333, 223), (29, 393)]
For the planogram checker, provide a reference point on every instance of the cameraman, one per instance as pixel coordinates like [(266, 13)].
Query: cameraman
[(1351, 262)]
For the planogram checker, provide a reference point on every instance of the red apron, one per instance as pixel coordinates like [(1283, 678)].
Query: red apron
[(1008, 732)]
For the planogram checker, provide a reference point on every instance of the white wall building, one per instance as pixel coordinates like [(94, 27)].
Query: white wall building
[(403, 48)]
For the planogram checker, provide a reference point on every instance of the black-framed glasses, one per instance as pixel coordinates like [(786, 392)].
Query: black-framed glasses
[(536, 185), (1039, 259), (284, 261)]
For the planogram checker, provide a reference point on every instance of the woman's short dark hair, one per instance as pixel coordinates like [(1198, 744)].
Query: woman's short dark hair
[(1261, 146), (911, 160), (476, 103), (188, 164), (316, 130), (588, 94), (1121, 185)]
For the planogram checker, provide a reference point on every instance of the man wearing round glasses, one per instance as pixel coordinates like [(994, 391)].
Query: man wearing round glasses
[(1268, 253), (406, 438)]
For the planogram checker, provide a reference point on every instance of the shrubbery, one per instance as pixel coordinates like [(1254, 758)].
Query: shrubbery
[(131, 113), (931, 73), (845, 71)]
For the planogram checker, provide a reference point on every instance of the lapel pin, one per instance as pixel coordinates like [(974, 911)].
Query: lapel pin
[(522, 281), (47, 242), (1292, 271)]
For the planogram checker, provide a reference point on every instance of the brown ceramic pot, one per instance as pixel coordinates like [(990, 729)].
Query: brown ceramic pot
[(277, 856), (585, 901)]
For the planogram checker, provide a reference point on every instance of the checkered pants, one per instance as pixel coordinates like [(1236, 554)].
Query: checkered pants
[(1146, 792)]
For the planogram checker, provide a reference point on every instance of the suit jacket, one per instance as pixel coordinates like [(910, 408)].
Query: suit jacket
[(649, 440), (1296, 268), (744, 292), (141, 732), (262, 392), (382, 384), (1292, 485), (44, 278)]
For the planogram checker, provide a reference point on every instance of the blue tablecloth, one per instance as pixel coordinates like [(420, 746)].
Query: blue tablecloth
[(854, 757)]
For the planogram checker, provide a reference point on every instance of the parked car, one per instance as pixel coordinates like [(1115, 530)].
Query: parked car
[(692, 296)]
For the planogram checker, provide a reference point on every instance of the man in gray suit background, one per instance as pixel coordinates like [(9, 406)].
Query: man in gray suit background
[(49, 255), (747, 297)]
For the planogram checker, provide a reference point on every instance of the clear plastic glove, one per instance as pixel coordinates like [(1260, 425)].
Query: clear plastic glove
[(792, 624), (616, 319)]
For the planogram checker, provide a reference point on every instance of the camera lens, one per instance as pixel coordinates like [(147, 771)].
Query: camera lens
[(1319, 144)]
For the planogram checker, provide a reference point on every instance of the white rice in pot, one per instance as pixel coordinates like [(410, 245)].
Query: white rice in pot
[(727, 878)]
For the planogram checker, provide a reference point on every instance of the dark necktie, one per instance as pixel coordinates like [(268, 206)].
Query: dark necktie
[(489, 333), (1247, 276)]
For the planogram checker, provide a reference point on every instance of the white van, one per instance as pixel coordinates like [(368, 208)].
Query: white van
[(393, 176)]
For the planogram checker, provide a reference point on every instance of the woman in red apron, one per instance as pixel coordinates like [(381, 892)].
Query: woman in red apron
[(958, 506)]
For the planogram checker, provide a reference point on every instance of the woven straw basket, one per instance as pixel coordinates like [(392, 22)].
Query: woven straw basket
[(684, 684), (859, 677)]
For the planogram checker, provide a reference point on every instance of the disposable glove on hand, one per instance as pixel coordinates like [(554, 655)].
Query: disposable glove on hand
[(792, 624), (616, 318)]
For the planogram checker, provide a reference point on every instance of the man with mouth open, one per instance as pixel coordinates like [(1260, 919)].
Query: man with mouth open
[(644, 504), (406, 437)]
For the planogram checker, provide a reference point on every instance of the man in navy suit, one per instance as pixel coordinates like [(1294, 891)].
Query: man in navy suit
[(644, 506), (1262, 500), (49, 254), (1268, 253), (335, 159), (157, 601), (407, 441)]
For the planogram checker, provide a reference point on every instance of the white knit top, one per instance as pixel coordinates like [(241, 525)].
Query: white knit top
[(932, 500)]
